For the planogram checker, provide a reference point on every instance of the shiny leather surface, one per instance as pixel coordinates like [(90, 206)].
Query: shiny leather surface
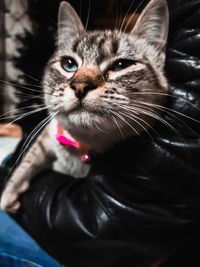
[(140, 202)]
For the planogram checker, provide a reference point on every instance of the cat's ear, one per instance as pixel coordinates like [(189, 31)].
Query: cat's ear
[(153, 23), (69, 23)]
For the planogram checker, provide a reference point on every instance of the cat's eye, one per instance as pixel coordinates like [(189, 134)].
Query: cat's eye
[(69, 64), (121, 64)]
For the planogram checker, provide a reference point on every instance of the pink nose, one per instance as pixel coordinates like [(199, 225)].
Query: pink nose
[(82, 87)]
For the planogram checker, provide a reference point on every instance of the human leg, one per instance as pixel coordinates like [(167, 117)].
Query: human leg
[(18, 249)]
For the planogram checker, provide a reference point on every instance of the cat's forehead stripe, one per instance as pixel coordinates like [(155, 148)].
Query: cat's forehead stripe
[(76, 43), (101, 42), (115, 46), (105, 45)]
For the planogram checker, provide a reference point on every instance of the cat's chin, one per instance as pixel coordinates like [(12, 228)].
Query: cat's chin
[(79, 109), (89, 128), (80, 118)]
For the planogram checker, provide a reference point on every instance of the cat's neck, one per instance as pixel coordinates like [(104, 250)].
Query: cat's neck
[(91, 139), (94, 141)]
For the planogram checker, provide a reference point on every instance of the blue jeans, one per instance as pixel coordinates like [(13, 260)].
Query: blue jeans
[(18, 249)]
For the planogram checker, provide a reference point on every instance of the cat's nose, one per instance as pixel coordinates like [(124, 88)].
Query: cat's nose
[(82, 87)]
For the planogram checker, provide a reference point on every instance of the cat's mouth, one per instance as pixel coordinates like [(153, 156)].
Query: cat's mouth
[(81, 108), (78, 109)]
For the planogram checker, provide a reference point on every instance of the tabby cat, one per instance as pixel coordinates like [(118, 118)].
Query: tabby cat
[(100, 87)]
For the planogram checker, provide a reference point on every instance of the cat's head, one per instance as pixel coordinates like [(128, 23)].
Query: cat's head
[(108, 82)]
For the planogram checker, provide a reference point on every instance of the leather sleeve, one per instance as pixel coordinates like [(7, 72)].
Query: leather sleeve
[(120, 213), (140, 201)]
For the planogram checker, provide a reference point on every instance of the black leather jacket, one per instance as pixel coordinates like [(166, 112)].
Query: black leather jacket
[(140, 201)]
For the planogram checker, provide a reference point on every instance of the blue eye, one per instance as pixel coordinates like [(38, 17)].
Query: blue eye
[(69, 64)]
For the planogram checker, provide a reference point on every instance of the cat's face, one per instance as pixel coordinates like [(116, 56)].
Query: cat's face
[(108, 80)]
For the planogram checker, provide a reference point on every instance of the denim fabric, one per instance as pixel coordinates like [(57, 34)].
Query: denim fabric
[(18, 249)]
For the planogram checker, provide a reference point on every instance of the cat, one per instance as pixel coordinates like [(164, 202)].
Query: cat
[(100, 87)]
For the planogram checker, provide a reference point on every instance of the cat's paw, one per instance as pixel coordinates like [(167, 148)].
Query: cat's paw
[(10, 197), (9, 202)]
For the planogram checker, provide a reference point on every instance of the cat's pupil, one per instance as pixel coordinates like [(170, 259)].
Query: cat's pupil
[(69, 64)]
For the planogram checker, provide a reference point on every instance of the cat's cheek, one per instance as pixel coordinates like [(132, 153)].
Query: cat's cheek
[(94, 96), (69, 99), (64, 73), (64, 100)]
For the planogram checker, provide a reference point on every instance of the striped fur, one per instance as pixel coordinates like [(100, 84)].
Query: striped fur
[(95, 53), (100, 102)]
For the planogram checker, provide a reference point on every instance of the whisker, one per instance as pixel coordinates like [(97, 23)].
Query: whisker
[(80, 9), (22, 116), (31, 77), (25, 74), (135, 118), (88, 15), (124, 19), (167, 111), (27, 97), (38, 129), (20, 109), (118, 126), (167, 95), (130, 19), (101, 130), (153, 115), (123, 119), (24, 147), (117, 18), (34, 85), (24, 87), (33, 134)]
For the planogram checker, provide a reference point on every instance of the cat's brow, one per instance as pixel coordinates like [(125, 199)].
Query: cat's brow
[(103, 54), (102, 57), (115, 46), (101, 42), (74, 48)]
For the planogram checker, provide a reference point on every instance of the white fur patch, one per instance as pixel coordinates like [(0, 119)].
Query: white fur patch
[(66, 162), (58, 66)]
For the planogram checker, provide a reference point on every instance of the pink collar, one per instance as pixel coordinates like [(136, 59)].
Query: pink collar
[(64, 138)]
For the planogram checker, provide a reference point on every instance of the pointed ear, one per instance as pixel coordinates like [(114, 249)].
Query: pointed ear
[(69, 23), (153, 24)]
